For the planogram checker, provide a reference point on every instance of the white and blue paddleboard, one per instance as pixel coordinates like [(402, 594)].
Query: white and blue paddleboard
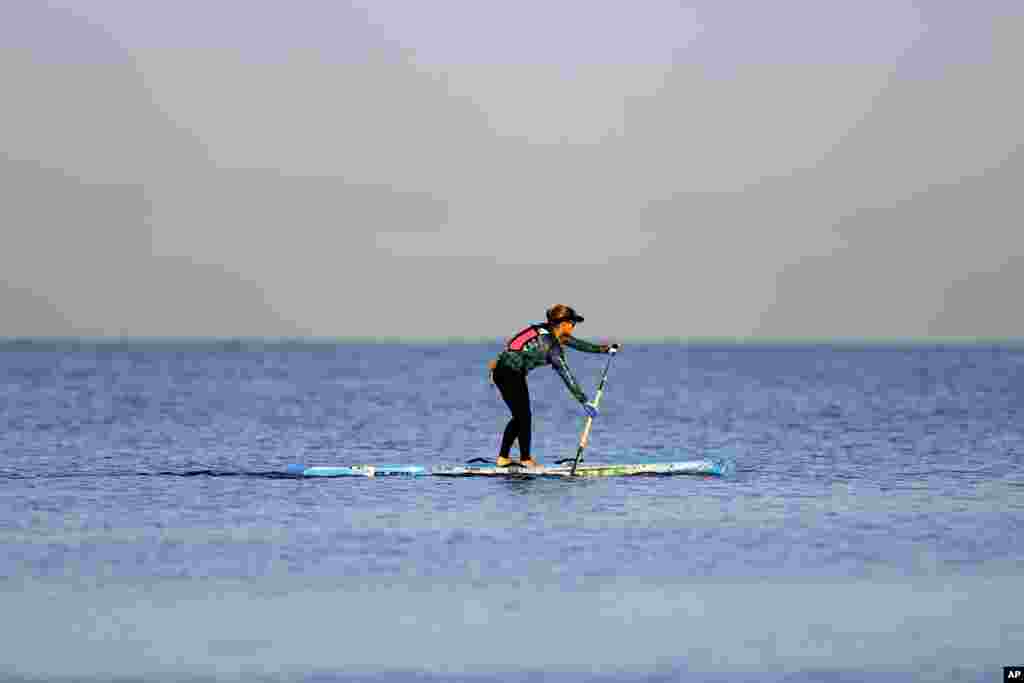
[(712, 468)]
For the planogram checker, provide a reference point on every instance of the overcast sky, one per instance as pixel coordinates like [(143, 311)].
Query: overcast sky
[(432, 169)]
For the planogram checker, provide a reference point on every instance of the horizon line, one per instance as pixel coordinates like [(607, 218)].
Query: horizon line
[(7, 342)]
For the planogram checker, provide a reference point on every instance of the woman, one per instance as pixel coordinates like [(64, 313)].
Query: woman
[(537, 345)]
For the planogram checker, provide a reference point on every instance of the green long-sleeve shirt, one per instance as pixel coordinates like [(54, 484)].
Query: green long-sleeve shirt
[(536, 346)]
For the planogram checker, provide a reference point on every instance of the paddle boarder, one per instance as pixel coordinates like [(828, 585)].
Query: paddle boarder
[(534, 346)]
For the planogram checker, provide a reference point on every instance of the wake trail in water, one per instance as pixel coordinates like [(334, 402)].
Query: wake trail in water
[(159, 473)]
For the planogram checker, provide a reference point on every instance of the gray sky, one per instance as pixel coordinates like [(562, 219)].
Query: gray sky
[(783, 169)]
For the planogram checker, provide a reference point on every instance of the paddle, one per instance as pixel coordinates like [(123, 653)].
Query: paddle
[(590, 421)]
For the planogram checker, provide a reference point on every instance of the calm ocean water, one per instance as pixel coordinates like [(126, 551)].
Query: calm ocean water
[(873, 530)]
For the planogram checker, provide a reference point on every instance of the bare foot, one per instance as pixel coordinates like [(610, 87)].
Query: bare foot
[(528, 462)]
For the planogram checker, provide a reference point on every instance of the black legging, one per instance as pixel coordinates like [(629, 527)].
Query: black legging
[(512, 385)]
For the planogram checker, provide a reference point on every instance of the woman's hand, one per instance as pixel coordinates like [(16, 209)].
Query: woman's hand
[(590, 409)]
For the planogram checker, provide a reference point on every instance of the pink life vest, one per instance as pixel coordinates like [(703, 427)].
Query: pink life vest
[(522, 338)]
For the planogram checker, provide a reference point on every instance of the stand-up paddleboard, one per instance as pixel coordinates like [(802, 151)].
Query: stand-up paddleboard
[(713, 468)]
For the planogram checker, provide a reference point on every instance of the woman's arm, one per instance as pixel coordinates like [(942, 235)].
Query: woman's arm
[(585, 346), (558, 362)]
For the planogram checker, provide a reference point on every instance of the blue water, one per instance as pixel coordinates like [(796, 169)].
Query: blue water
[(873, 530)]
